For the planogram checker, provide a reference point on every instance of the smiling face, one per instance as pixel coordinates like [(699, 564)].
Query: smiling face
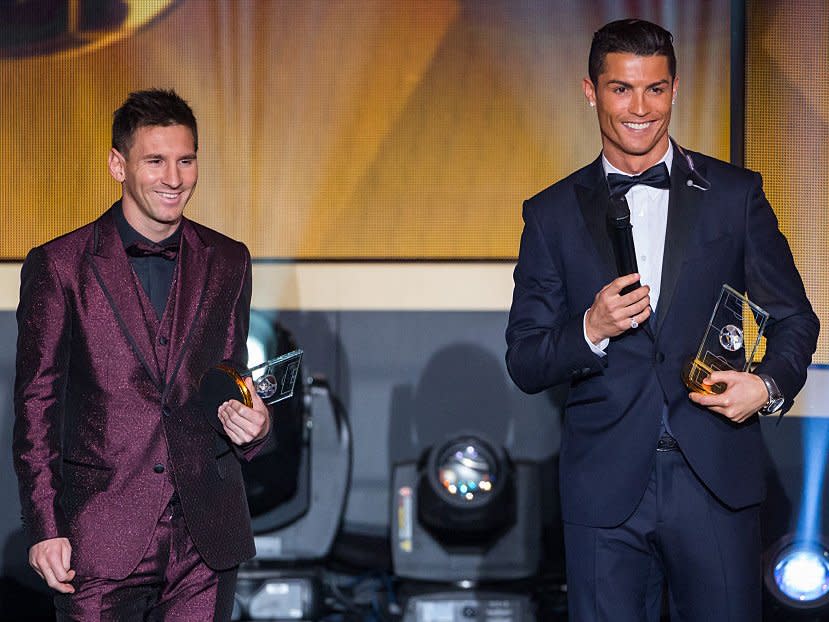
[(633, 98), (157, 177)]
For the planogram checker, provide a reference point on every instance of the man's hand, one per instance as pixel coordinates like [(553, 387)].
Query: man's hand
[(243, 424), (611, 314), (50, 559), (744, 395)]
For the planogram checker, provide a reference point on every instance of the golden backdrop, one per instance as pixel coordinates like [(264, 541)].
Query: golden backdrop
[(333, 129), (787, 132)]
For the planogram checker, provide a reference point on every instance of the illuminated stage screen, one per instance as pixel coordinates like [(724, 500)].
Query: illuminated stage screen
[(787, 132), (369, 129)]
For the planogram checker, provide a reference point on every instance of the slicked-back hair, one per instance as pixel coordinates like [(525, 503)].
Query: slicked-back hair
[(631, 36), (153, 107)]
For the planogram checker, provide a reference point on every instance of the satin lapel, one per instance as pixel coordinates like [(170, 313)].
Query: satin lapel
[(190, 287), (683, 209), (113, 271), (594, 202)]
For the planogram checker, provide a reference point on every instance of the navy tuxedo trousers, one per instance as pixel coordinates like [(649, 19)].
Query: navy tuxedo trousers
[(679, 534)]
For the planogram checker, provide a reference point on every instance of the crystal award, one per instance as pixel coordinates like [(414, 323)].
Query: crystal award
[(723, 345), (273, 380)]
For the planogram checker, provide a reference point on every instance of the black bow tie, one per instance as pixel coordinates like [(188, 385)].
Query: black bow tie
[(141, 249), (656, 176)]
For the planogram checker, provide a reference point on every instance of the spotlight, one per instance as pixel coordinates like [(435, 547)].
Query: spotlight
[(797, 575), (274, 478), (465, 513), (296, 488), (466, 489)]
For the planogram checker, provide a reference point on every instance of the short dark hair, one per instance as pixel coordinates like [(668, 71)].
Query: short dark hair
[(147, 108), (633, 36)]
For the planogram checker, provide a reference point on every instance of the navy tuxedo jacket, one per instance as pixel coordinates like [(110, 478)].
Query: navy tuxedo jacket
[(728, 234), (96, 411)]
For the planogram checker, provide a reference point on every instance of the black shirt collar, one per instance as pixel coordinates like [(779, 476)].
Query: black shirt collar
[(130, 236)]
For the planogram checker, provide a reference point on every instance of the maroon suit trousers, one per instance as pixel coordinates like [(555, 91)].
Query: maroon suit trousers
[(171, 583)]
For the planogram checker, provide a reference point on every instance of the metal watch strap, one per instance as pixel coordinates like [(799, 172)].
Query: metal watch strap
[(775, 401)]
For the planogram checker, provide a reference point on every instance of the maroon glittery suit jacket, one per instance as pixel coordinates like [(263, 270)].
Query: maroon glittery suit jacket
[(97, 415)]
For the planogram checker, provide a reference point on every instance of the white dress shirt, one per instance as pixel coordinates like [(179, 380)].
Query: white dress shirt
[(649, 220)]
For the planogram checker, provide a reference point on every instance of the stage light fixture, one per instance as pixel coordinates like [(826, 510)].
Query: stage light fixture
[(275, 478), (268, 595), (797, 575), (466, 489), (281, 600), (465, 513), (296, 490)]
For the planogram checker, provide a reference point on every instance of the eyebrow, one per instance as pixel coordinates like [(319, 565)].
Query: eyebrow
[(630, 86), (158, 156)]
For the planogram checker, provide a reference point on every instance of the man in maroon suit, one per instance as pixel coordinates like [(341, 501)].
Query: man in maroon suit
[(132, 494)]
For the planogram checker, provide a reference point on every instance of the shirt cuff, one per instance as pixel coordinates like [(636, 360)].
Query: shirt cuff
[(599, 348)]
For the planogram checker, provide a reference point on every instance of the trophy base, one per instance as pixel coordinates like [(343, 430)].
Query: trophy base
[(222, 383), (694, 372)]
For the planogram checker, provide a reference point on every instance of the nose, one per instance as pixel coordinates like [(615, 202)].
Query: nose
[(637, 104), (172, 176)]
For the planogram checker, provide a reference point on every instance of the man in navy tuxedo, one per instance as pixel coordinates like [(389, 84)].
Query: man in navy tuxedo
[(657, 485)]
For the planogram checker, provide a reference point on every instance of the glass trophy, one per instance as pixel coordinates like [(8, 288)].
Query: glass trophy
[(273, 381), (723, 345)]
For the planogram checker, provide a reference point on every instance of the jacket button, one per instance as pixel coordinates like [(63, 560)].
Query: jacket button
[(166, 411), (159, 468), (163, 340), (660, 357)]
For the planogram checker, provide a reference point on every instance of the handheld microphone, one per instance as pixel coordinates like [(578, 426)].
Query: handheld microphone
[(621, 236)]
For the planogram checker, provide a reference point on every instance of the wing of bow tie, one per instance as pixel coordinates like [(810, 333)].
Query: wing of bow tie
[(140, 249), (656, 176)]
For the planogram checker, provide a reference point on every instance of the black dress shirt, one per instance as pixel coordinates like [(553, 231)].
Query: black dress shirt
[(155, 273)]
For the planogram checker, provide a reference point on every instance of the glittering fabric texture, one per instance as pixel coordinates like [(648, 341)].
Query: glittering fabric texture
[(94, 361), (171, 583)]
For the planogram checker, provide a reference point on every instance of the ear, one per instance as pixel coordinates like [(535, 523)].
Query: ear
[(589, 91), (117, 165), (675, 88)]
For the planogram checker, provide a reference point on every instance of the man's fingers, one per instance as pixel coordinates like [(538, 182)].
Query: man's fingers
[(66, 556), (58, 579), (636, 296), (720, 376), (231, 423), (240, 417), (623, 318), (714, 400), (618, 284), (241, 423), (638, 307)]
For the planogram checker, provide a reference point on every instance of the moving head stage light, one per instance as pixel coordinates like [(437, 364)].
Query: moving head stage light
[(296, 488), (797, 577), (465, 512)]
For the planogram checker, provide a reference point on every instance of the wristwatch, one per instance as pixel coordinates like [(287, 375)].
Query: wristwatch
[(776, 399)]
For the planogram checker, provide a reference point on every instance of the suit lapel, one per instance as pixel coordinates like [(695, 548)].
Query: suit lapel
[(594, 202), (683, 208), (190, 287), (114, 274)]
